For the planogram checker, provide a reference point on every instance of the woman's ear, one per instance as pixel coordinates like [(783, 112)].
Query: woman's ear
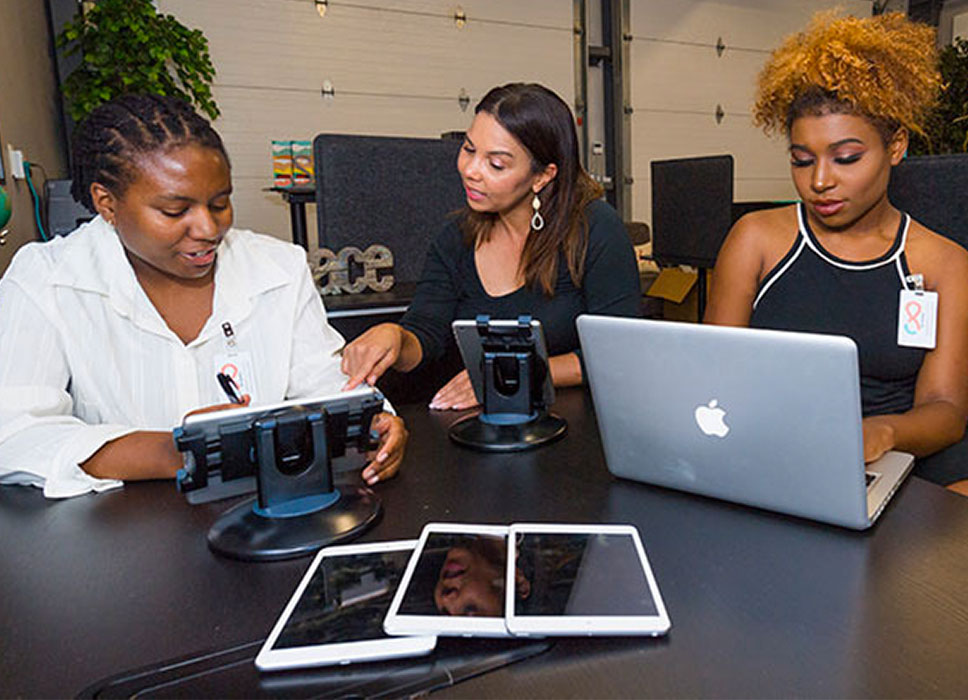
[(544, 177), (898, 145), (105, 203)]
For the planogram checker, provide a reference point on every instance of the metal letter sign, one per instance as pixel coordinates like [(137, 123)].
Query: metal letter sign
[(351, 271)]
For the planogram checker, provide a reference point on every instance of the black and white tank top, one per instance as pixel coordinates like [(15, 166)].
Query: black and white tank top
[(812, 290)]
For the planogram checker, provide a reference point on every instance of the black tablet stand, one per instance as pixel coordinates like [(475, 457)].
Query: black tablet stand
[(515, 416), (298, 509)]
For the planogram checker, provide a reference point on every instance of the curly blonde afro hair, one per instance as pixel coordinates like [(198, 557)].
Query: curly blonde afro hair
[(884, 68)]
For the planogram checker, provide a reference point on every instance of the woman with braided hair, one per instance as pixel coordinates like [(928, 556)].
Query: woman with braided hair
[(847, 93), (112, 334)]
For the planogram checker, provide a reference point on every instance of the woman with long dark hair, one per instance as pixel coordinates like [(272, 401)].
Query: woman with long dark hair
[(534, 238)]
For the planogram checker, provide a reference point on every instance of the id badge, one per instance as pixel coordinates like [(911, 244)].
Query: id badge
[(238, 366), (917, 319)]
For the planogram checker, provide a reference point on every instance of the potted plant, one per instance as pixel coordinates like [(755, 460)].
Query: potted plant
[(126, 46), (947, 125)]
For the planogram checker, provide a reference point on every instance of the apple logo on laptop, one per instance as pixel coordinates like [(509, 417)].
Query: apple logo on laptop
[(709, 418)]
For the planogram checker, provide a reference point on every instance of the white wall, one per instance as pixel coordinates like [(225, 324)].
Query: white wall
[(959, 26), (677, 80), (397, 68), (29, 115)]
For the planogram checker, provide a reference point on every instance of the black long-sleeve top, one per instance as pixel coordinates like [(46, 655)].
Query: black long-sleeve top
[(451, 289)]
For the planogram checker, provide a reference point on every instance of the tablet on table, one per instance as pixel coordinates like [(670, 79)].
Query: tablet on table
[(336, 614), (454, 583), (581, 580)]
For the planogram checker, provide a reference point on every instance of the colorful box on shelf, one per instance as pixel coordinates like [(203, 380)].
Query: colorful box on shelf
[(282, 163), (292, 163), (302, 163)]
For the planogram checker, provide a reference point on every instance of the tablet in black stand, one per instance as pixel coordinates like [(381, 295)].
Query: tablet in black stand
[(298, 509), (513, 373)]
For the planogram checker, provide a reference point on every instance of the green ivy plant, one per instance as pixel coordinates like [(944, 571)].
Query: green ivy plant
[(126, 46), (947, 125)]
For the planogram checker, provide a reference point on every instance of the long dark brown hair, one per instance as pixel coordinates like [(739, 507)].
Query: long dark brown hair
[(543, 124)]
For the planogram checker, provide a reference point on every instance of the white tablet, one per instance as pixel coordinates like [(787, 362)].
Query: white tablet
[(471, 348), (454, 583), (210, 422), (581, 580), (336, 614), (219, 459)]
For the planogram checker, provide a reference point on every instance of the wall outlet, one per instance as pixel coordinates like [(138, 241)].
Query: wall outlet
[(16, 160)]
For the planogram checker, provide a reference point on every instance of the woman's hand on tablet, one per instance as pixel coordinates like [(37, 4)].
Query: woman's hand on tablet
[(372, 354), (386, 459), (380, 348), (457, 394)]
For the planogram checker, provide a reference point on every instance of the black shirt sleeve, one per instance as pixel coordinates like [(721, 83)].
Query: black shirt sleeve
[(435, 302)]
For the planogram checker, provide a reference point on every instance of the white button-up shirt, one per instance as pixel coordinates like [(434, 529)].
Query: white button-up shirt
[(86, 358)]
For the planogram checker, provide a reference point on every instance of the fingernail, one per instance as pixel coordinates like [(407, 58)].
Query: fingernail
[(372, 480), (382, 457)]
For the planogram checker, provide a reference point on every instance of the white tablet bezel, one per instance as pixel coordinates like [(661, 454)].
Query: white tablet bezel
[(209, 422), (445, 625), (554, 625), (269, 659)]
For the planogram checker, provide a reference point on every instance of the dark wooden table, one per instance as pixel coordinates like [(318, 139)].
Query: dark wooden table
[(762, 605)]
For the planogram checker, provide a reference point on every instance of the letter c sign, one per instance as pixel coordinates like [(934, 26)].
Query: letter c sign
[(351, 270)]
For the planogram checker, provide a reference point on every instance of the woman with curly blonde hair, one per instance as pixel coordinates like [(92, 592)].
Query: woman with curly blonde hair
[(847, 92)]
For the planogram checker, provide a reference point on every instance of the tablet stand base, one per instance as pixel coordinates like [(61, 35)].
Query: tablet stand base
[(487, 436), (242, 533)]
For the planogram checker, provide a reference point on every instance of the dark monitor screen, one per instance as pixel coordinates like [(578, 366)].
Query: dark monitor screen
[(692, 201)]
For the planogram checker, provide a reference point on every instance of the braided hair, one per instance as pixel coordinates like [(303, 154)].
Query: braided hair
[(107, 144)]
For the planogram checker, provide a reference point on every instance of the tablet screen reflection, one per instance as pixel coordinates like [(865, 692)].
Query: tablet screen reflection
[(346, 600), (460, 575), (583, 574)]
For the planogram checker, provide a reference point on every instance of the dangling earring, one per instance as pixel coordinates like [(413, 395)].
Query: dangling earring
[(537, 221)]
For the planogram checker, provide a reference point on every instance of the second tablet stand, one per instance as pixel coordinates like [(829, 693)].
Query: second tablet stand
[(515, 416), (298, 508)]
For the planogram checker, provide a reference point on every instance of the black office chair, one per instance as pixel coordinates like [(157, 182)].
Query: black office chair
[(387, 190), (933, 190), (691, 213)]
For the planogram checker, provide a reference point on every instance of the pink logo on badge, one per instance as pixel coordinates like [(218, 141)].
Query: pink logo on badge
[(232, 371), (915, 318)]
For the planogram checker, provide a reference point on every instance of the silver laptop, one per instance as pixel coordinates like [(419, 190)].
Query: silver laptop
[(766, 418)]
